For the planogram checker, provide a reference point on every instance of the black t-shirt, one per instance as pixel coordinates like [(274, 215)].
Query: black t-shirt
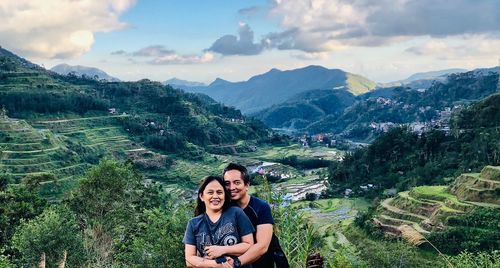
[(259, 212)]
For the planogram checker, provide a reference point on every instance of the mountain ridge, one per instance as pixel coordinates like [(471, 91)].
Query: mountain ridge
[(274, 86)]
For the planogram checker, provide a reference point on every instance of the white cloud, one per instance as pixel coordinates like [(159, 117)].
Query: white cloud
[(465, 48), (329, 25), (183, 59), (57, 28)]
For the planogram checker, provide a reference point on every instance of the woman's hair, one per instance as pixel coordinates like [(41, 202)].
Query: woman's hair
[(200, 206)]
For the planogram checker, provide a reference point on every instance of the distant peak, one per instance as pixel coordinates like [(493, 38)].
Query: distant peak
[(219, 81)]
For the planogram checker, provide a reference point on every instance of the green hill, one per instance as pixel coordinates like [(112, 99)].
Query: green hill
[(406, 105), (306, 108), (62, 125), (433, 208)]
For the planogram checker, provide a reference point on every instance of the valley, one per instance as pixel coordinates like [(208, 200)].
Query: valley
[(366, 176)]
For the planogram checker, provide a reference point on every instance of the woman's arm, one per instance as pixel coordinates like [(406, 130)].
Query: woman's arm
[(192, 260), (234, 250)]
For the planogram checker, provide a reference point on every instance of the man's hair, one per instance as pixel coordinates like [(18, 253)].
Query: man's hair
[(243, 170)]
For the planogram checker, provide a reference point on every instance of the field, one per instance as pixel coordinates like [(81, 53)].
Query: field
[(427, 208)]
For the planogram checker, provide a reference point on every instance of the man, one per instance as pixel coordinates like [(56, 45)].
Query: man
[(237, 182)]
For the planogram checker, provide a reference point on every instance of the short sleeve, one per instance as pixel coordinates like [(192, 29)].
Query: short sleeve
[(244, 224), (264, 213), (189, 237)]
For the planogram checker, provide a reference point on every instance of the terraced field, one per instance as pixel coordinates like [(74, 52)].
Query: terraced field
[(25, 150), (65, 148), (427, 208), (100, 134)]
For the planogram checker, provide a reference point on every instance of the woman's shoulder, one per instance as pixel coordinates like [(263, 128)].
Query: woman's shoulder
[(196, 220), (234, 210)]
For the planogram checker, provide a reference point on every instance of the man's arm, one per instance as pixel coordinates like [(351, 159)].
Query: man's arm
[(234, 250), (192, 260), (264, 235)]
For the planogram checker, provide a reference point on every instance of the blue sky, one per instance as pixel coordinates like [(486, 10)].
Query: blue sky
[(384, 40)]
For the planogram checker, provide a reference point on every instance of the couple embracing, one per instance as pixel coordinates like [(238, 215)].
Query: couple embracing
[(230, 227)]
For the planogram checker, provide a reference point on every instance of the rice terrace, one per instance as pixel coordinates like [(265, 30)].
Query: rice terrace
[(368, 131)]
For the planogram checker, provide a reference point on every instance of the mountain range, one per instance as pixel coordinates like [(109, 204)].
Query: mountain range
[(359, 117), (276, 86)]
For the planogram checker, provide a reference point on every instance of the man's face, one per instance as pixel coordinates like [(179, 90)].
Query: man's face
[(235, 184)]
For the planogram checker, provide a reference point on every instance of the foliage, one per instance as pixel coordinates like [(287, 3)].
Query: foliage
[(18, 102), (406, 105), (402, 159), (17, 204), (297, 236), (304, 162), (389, 253), (476, 231), (476, 260), (53, 232), (157, 242), (108, 203), (4, 262)]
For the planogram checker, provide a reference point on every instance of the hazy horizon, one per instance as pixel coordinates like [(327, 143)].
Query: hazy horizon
[(234, 40)]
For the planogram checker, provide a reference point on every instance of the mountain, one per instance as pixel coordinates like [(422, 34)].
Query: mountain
[(431, 75), (61, 125), (276, 86), (306, 108), (423, 80), (65, 69), (431, 107), (179, 83)]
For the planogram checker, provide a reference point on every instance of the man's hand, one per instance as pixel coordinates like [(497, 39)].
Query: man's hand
[(214, 251), (230, 261)]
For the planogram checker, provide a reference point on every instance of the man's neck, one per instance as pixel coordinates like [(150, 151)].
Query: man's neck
[(243, 202)]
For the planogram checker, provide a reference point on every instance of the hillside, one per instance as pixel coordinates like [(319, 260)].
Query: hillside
[(402, 158), (275, 86), (306, 108), (56, 127), (429, 209), (373, 113)]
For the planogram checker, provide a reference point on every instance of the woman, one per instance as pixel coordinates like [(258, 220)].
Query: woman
[(218, 229)]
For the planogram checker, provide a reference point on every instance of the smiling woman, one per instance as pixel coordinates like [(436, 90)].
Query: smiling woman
[(218, 231)]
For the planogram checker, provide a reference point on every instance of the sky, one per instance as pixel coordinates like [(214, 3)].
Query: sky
[(201, 40)]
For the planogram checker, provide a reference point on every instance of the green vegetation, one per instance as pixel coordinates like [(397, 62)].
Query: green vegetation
[(402, 159), (407, 105)]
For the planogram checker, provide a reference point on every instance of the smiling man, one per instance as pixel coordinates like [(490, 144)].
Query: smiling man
[(237, 182)]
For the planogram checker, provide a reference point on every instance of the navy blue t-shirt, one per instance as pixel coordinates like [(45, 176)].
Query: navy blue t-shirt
[(227, 231), (262, 211), (259, 212)]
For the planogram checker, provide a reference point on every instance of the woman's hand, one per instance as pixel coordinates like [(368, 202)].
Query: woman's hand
[(214, 251)]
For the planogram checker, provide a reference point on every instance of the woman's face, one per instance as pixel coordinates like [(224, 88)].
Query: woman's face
[(213, 196)]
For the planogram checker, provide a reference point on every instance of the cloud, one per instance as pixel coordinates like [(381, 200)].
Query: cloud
[(118, 52), (311, 56), (153, 51), (471, 47), (159, 55), (316, 26), (57, 28), (183, 59), (231, 45)]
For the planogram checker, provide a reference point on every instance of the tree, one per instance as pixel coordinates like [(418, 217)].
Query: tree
[(53, 232), (158, 243)]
